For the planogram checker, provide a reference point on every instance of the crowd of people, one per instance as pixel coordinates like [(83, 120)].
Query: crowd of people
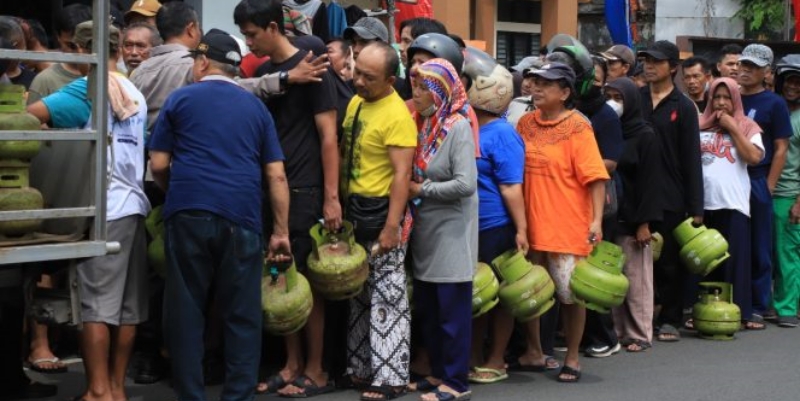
[(440, 157)]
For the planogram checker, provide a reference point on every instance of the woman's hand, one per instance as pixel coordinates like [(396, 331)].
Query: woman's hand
[(414, 190), (643, 235), (727, 122), (595, 232), (522, 242), (794, 213)]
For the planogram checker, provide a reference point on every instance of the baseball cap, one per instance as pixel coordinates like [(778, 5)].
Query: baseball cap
[(368, 28), (84, 32), (555, 72), (619, 52), (148, 8), (528, 62), (536, 66), (662, 50), (757, 54), (219, 46)]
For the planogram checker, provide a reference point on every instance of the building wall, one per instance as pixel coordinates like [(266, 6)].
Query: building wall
[(710, 18)]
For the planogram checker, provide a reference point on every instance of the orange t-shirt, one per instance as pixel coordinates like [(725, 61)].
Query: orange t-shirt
[(561, 160)]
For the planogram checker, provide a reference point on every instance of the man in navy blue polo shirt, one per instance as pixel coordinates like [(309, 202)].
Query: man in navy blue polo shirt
[(769, 110), (212, 146)]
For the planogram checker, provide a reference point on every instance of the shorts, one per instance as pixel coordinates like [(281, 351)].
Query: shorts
[(113, 288), (305, 210), (560, 266), (493, 242)]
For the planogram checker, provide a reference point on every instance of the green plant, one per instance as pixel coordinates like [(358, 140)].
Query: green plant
[(763, 15)]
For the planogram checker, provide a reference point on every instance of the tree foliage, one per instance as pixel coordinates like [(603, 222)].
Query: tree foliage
[(766, 16)]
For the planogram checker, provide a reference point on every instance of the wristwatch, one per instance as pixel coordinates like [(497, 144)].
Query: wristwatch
[(283, 78)]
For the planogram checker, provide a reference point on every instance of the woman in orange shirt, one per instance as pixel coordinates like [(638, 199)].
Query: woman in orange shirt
[(563, 189)]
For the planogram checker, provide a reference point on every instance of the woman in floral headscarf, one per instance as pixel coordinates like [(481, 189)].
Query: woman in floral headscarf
[(444, 242)]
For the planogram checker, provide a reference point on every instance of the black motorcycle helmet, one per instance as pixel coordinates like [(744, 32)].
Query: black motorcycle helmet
[(788, 65), (441, 46), (565, 49)]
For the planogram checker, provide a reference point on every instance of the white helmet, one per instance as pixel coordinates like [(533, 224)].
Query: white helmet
[(491, 86)]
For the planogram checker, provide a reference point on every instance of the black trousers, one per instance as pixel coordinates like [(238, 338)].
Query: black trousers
[(669, 274), (12, 309)]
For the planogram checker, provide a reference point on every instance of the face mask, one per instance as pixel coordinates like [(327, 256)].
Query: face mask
[(429, 111), (618, 107)]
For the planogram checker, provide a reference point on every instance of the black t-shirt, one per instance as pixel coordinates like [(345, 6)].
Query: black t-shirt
[(344, 93), (25, 78), (294, 113)]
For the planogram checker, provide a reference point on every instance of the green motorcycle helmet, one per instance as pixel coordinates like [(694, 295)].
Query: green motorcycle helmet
[(565, 49)]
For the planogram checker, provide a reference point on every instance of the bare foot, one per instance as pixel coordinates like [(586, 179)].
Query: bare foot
[(538, 361), (43, 360), (444, 389), (285, 376), (118, 394), (318, 380)]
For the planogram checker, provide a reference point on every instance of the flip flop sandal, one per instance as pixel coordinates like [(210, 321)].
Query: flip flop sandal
[(487, 375), (643, 346), (566, 370), (421, 384), (668, 330), (445, 396), (274, 383), (35, 365), (310, 389), (753, 325), (386, 392)]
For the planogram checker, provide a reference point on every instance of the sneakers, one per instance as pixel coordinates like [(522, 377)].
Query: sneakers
[(787, 321), (602, 351)]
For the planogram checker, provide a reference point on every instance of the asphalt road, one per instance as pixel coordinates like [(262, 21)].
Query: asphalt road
[(756, 366)]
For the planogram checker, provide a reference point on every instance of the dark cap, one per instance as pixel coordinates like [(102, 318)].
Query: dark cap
[(555, 72), (528, 72), (368, 28), (662, 50), (619, 53), (85, 31), (219, 46)]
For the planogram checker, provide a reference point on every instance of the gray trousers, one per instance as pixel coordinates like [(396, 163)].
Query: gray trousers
[(633, 320), (379, 326)]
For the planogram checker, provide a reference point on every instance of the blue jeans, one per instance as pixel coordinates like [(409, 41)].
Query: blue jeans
[(207, 253), (761, 234)]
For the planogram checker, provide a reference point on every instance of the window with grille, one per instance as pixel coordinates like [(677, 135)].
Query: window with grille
[(518, 30)]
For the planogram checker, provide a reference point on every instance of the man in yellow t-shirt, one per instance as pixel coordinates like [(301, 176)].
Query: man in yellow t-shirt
[(379, 141)]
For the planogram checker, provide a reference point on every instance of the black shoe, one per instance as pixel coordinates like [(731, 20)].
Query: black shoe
[(151, 369), (31, 391), (213, 371)]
